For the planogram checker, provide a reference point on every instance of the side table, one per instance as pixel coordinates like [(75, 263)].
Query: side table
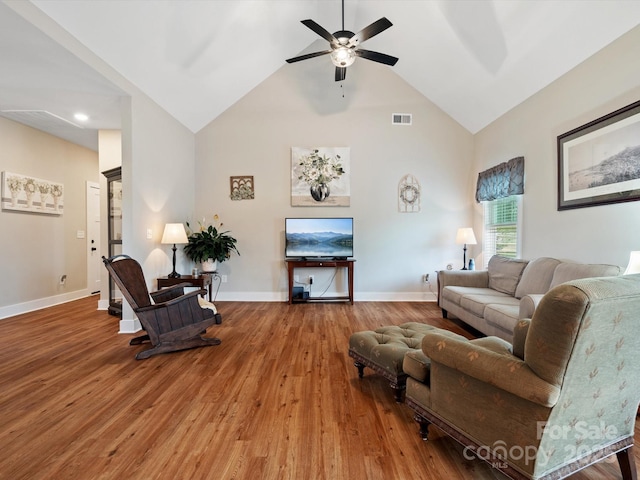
[(201, 281), (348, 264)]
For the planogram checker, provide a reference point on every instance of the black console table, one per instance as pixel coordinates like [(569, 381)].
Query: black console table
[(348, 264)]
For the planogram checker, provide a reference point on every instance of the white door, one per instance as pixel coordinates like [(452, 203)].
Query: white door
[(94, 263)]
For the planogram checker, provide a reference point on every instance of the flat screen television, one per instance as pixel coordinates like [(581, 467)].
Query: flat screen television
[(309, 238)]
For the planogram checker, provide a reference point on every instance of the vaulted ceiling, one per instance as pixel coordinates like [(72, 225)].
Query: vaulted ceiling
[(475, 59)]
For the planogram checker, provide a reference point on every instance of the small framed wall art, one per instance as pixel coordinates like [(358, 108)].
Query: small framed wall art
[(409, 194), (242, 187), (24, 193)]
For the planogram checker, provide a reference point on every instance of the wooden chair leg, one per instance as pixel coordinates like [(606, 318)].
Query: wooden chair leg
[(139, 340), (360, 368), (424, 427), (177, 346), (398, 391), (627, 464), (398, 394)]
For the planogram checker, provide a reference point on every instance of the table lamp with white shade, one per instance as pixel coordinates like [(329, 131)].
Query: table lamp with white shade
[(174, 233), (634, 263), (466, 237)]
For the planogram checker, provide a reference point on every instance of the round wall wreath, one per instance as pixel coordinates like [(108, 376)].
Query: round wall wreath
[(409, 194)]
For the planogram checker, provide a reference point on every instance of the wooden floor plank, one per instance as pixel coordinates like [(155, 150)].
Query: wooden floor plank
[(278, 399)]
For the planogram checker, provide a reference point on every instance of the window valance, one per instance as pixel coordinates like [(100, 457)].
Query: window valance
[(501, 181)]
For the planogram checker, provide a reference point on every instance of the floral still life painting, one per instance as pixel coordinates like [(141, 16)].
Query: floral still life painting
[(29, 194), (320, 177)]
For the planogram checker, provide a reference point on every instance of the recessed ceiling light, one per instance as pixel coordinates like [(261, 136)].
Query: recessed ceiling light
[(81, 117)]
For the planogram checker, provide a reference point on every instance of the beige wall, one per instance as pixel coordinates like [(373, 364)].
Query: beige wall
[(300, 105), (157, 163), (602, 84), (171, 175), (38, 249)]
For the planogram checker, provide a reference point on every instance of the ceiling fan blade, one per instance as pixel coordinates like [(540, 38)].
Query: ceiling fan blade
[(367, 32), (376, 56), (341, 73), (306, 56), (320, 31)]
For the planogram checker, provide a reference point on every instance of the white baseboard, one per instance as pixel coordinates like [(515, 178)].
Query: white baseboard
[(133, 325), (103, 304), (40, 303), (130, 326), (357, 296)]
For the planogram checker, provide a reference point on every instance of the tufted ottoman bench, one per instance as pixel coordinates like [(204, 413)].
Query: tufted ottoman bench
[(383, 349)]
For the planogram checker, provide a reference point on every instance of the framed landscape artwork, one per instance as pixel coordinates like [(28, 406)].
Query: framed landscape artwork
[(599, 163)]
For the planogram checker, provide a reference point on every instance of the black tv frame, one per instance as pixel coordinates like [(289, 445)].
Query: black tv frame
[(291, 255)]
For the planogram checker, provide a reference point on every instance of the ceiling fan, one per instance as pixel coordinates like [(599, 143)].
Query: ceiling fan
[(344, 45)]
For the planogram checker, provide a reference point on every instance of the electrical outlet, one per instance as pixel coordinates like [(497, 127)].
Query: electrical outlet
[(224, 279), (311, 279), (63, 279)]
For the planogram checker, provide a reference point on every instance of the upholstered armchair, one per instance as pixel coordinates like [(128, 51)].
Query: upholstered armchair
[(563, 396)]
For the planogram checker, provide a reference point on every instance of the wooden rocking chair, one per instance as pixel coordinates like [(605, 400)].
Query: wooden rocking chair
[(174, 321)]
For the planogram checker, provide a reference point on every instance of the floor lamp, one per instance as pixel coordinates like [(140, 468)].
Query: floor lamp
[(174, 233), (466, 237)]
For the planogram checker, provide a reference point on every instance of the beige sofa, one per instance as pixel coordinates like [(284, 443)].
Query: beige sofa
[(493, 300)]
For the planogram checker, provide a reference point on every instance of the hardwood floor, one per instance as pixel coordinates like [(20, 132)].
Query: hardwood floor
[(278, 399)]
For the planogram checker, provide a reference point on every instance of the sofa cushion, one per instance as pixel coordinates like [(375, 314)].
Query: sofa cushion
[(505, 273), (567, 271), (537, 276), (504, 317), (455, 294), (477, 303)]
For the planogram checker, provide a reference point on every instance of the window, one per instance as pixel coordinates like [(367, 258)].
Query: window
[(501, 226)]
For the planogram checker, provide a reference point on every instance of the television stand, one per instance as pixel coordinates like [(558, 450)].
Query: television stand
[(348, 264)]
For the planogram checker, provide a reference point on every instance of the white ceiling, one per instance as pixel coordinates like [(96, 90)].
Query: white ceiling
[(475, 59)]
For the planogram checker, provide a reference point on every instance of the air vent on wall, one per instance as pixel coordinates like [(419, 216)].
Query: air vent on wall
[(401, 119), (40, 119)]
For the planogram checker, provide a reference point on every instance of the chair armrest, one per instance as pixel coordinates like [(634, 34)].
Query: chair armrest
[(528, 305), (172, 301), (172, 291), (498, 368), (520, 336), (183, 298), (167, 293)]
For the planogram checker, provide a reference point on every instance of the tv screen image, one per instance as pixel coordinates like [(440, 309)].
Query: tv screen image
[(318, 237)]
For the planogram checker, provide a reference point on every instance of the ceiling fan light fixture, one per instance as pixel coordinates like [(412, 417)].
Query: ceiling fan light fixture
[(343, 56)]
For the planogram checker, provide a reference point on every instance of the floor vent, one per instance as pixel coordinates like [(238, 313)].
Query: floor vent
[(401, 119)]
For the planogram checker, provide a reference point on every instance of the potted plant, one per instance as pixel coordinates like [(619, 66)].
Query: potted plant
[(208, 245)]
